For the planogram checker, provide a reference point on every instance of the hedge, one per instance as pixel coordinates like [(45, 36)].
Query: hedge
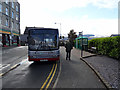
[(109, 46)]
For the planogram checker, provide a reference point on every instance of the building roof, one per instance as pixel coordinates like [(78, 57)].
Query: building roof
[(82, 37), (113, 35), (29, 28)]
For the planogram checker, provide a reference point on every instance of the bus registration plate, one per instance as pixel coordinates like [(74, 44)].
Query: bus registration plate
[(43, 60)]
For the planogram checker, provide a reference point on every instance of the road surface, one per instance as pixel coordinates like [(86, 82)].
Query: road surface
[(63, 74), (27, 74)]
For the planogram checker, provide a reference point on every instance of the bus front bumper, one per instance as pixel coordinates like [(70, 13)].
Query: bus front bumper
[(43, 59)]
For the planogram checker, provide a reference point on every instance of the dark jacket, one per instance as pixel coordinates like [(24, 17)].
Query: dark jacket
[(68, 46)]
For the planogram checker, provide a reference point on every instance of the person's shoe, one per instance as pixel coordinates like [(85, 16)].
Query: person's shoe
[(69, 59)]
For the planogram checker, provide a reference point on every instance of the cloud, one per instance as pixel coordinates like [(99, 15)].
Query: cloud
[(33, 13), (106, 3), (102, 27), (62, 5)]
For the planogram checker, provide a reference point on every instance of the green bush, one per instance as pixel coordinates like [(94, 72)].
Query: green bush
[(109, 46)]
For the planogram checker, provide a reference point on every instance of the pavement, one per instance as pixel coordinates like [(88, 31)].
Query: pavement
[(105, 68), (9, 47), (76, 73), (11, 57), (12, 53)]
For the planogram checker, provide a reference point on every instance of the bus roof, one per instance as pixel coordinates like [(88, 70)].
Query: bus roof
[(38, 28)]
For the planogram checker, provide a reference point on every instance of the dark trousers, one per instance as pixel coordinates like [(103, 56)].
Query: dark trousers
[(68, 54)]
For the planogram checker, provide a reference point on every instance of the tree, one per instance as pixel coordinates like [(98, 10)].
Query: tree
[(60, 37), (72, 35), (63, 37)]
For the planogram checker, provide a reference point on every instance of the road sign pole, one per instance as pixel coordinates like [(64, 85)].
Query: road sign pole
[(82, 44), (81, 34)]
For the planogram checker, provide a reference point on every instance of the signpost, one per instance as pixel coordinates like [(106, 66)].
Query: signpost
[(81, 34)]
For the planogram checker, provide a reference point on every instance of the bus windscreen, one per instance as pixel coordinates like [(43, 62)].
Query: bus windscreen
[(40, 40)]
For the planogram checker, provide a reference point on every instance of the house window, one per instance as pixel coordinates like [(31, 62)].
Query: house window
[(16, 16), (6, 22), (6, 11), (12, 4), (0, 7), (17, 8), (12, 14)]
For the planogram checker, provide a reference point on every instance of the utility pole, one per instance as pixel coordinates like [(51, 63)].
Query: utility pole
[(60, 27), (82, 45), (81, 34)]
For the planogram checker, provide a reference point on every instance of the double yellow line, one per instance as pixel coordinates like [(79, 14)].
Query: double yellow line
[(51, 74)]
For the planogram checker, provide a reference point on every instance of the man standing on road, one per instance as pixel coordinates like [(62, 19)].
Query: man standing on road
[(68, 47)]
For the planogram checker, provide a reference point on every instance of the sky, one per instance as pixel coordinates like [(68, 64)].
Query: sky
[(98, 17)]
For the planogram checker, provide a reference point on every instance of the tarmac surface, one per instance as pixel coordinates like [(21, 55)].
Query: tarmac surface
[(75, 73), (22, 74), (108, 68)]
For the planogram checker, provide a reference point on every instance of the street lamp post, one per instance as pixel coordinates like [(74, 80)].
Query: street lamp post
[(60, 27)]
